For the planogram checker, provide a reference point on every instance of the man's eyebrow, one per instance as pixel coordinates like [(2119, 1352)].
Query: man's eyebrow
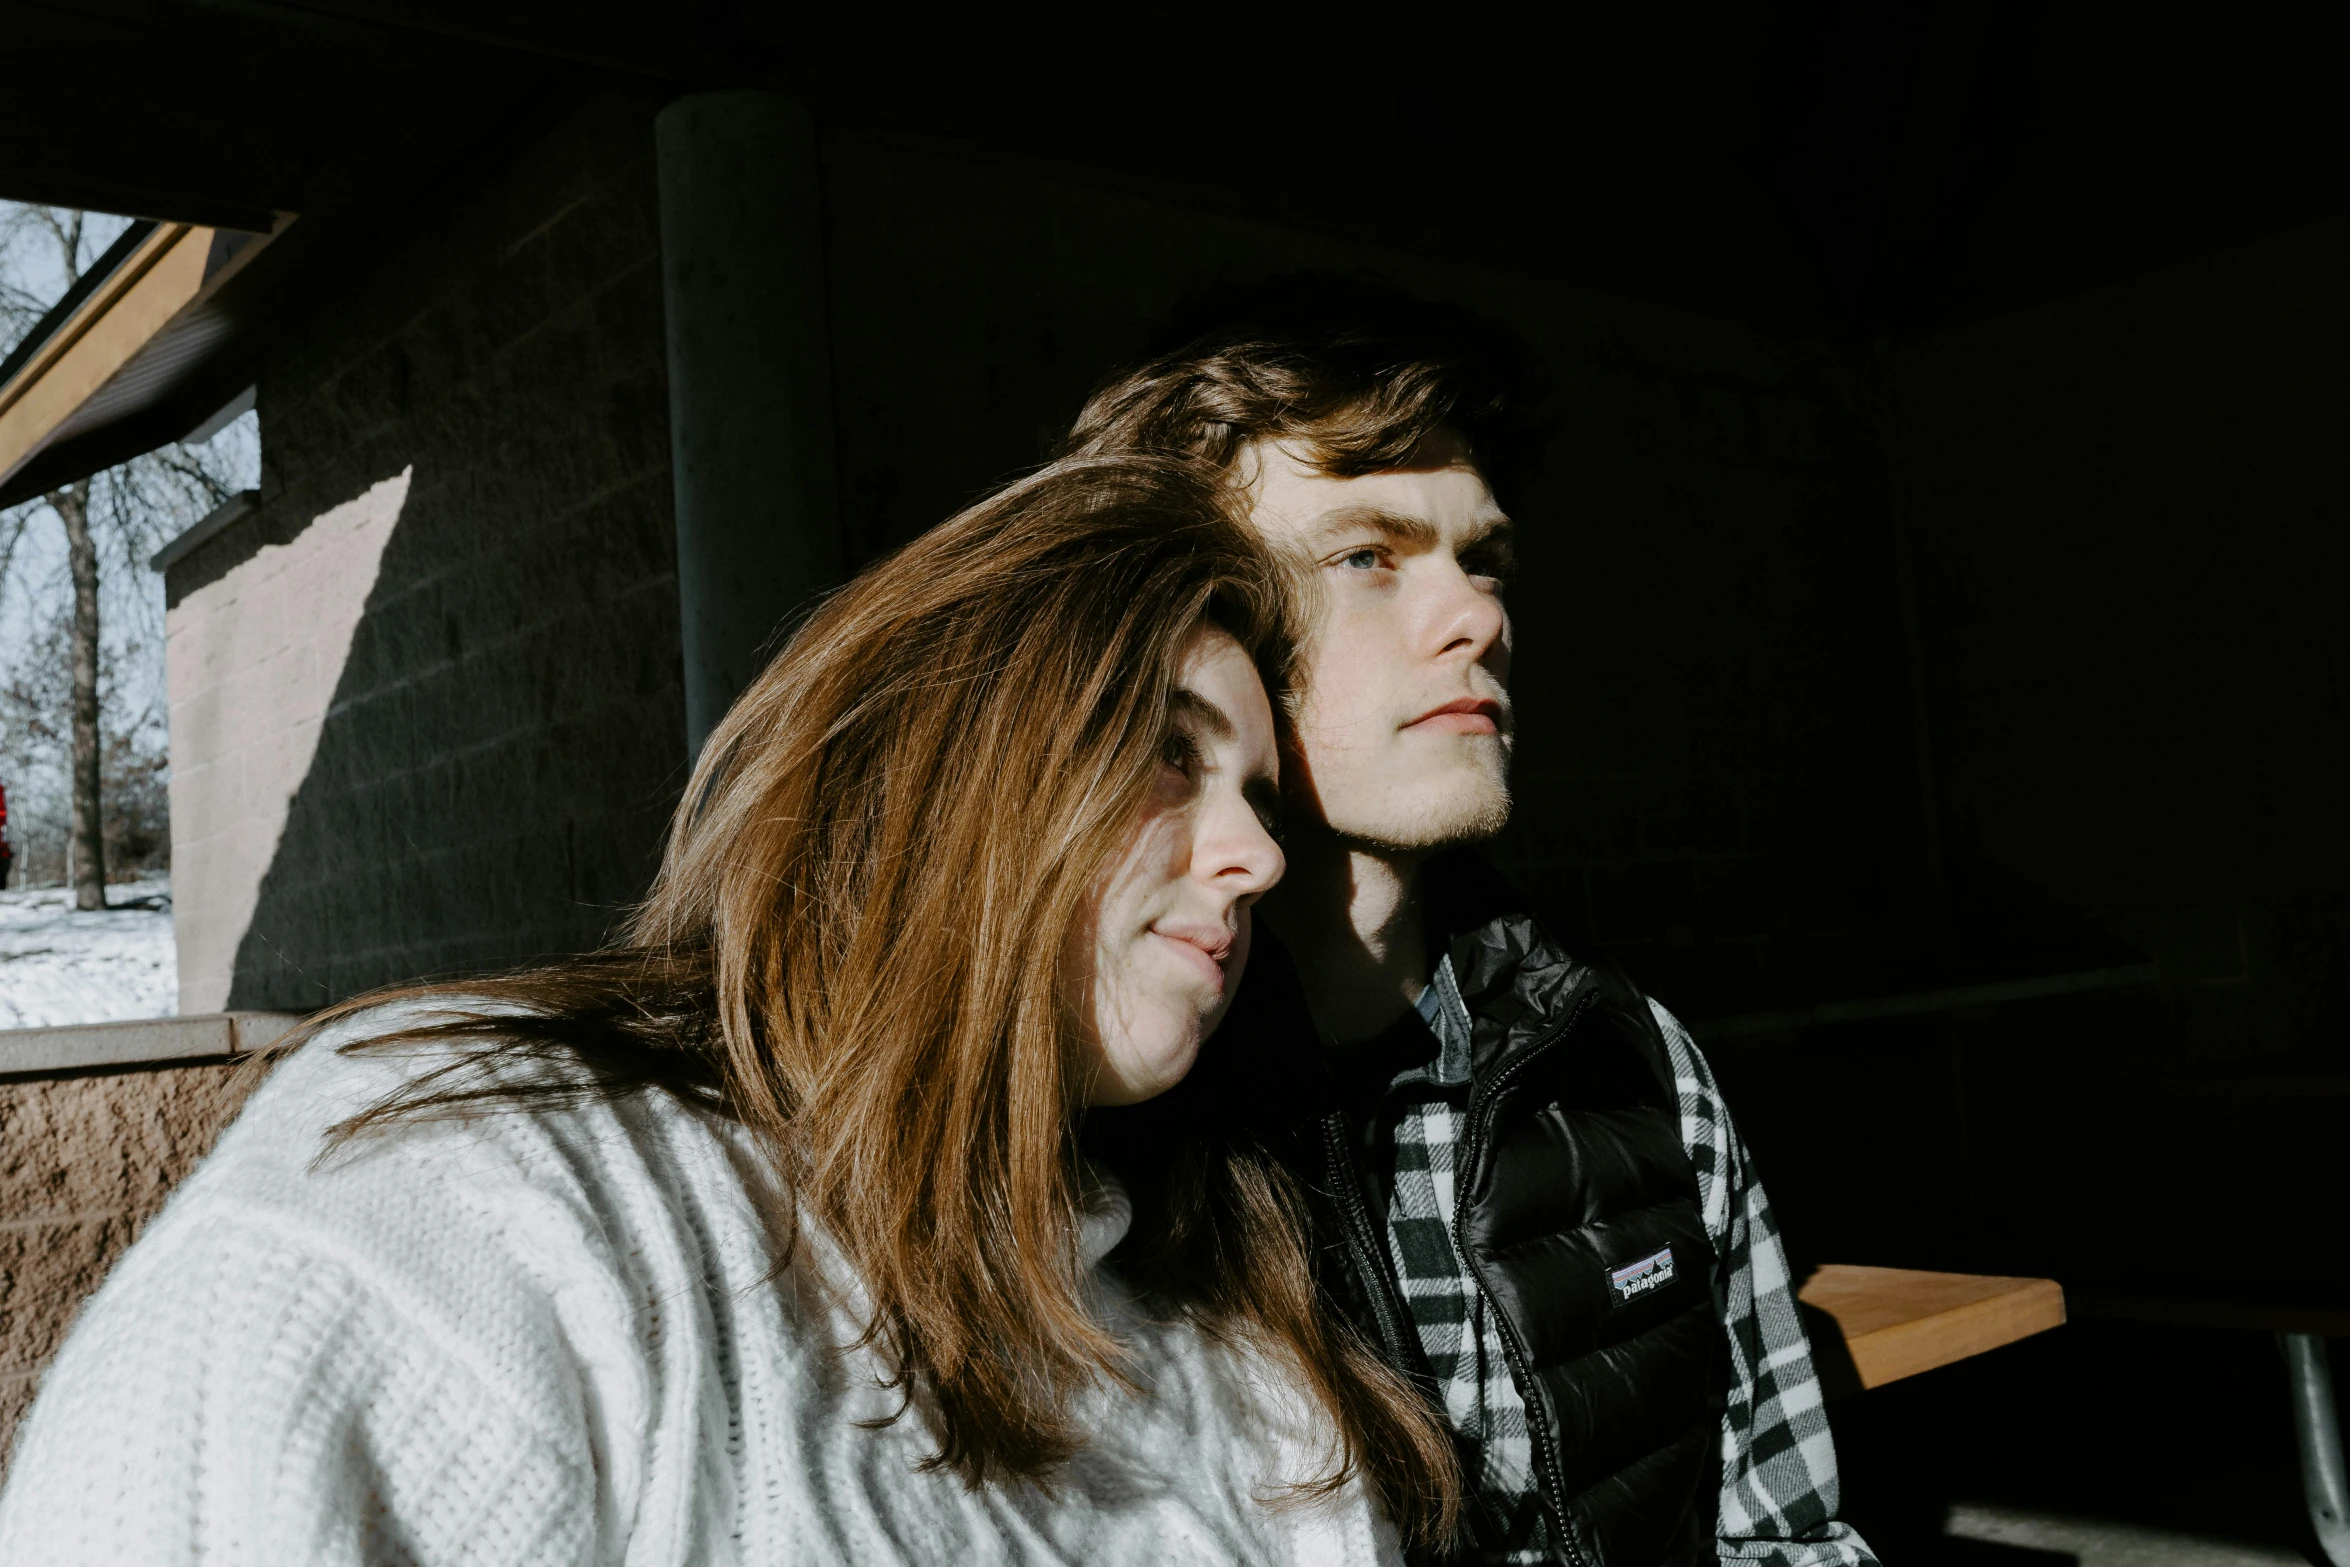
[(1402, 528), (1393, 525), (1496, 529), (1202, 713)]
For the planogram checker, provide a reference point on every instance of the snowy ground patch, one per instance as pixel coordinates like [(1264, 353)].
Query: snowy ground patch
[(60, 966)]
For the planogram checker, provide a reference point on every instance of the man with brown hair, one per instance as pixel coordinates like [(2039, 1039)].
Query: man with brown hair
[(1527, 1190)]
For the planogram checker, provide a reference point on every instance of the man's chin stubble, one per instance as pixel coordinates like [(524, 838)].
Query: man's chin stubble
[(1450, 825)]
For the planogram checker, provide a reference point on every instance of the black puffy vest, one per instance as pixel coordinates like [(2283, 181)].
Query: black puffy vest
[(1573, 1192)]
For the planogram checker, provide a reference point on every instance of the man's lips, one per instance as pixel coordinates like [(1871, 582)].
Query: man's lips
[(1470, 715)]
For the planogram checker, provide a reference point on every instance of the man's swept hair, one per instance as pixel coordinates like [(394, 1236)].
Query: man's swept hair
[(1354, 372)]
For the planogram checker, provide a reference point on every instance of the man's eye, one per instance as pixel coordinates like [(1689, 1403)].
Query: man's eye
[(1361, 560), (1495, 569)]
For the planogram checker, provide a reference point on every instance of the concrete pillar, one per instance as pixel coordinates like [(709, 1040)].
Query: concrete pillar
[(750, 383)]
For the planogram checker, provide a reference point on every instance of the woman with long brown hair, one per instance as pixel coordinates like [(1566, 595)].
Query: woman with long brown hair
[(766, 1235)]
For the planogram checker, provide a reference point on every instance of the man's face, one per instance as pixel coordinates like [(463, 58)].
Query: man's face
[(1404, 729)]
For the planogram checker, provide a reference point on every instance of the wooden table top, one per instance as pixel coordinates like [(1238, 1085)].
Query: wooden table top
[(1898, 1322)]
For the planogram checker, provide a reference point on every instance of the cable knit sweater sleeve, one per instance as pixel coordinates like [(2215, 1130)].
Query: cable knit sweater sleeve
[(353, 1364), (558, 1336)]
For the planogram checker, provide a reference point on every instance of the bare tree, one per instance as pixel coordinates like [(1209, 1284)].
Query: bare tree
[(72, 505), (57, 235), (112, 520)]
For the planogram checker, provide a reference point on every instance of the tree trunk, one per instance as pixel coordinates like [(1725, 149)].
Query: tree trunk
[(72, 505)]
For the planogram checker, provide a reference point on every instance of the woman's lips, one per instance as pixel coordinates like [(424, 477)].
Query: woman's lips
[(1201, 949), (1471, 715)]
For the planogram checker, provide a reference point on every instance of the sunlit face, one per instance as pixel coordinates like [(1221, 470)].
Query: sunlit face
[(1152, 968), (1403, 733)]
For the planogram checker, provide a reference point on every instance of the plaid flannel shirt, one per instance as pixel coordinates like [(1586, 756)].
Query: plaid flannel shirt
[(1779, 1486)]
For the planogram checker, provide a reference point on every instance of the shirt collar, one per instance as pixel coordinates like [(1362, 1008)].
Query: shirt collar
[(1425, 1049)]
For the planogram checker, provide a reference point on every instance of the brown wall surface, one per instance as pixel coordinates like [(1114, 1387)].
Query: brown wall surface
[(85, 1161)]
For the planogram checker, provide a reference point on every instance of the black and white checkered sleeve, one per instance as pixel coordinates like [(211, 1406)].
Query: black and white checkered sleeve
[(1779, 1485)]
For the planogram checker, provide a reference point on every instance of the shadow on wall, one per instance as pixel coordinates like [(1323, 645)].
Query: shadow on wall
[(487, 782), (500, 751)]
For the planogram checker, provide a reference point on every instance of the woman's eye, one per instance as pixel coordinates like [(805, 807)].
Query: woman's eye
[(1181, 753)]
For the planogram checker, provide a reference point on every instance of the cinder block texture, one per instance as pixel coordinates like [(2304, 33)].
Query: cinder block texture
[(496, 761), (85, 1162), (253, 660)]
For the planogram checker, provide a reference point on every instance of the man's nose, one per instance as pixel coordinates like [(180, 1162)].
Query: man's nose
[(1466, 618)]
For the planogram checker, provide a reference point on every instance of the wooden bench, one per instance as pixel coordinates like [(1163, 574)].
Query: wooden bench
[(1897, 1322), (1892, 1323)]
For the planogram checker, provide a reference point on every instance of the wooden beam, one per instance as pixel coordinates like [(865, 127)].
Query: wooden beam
[(159, 280), (1898, 1322), (173, 276)]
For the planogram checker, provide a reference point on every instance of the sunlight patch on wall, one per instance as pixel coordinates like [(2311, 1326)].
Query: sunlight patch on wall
[(252, 661)]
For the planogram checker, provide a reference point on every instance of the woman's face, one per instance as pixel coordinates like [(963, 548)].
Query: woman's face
[(1154, 964)]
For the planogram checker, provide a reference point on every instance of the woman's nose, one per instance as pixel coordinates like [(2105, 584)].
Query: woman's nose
[(1238, 855)]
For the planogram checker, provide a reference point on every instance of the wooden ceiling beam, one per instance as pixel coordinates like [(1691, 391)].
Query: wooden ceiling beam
[(171, 273)]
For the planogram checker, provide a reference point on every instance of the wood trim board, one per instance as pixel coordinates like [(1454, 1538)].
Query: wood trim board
[(155, 283), (1898, 1322), (163, 285)]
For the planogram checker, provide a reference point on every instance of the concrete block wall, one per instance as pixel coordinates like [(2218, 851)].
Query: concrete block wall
[(1713, 783), (496, 753), (253, 659)]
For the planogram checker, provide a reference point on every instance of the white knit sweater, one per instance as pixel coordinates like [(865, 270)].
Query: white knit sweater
[(550, 1336)]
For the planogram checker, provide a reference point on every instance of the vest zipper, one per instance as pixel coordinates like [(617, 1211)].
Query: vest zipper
[(1549, 1468), (1360, 1240)]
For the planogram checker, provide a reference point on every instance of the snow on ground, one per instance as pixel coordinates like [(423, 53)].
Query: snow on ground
[(61, 966)]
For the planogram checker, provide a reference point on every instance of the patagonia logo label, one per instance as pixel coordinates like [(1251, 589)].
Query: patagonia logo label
[(1638, 1278)]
